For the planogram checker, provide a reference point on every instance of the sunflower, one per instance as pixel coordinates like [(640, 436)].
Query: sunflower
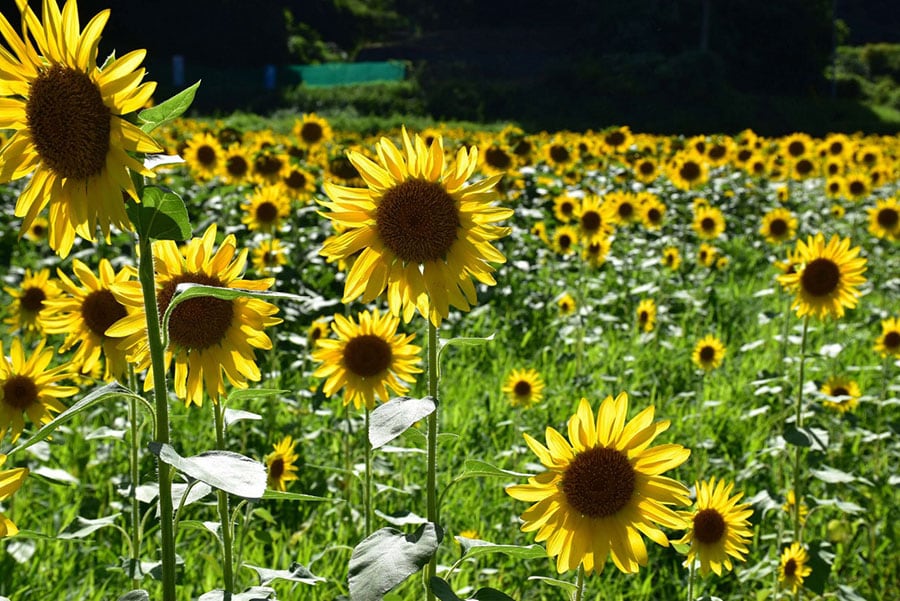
[(889, 342), (280, 464), (204, 156), (708, 353), (565, 238), (827, 280), (709, 223), (687, 171), (317, 329), (843, 394), (299, 183), (856, 185), (565, 207), (646, 170), (420, 232), (646, 314), (884, 219), (269, 256), (566, 304), (778, 225), (804, 168), (207, 336), (312, 130), (69, 128), (707, 255), (85, 314), (367, 358), (797, 145), (37, 233), (652, 211), (717, 528), (616, 140), (595, 252), (624, 207), (496, 158), (29, 301), (792, 568), (837, 146), (594, 219), (10, 481), (265, 209), (558, 154), (27, 387), (603, 488), (270, 166), (524, 387), (236, 164), (671, 258)]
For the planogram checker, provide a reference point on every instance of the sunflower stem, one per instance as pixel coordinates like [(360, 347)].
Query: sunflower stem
[(797, 450), (224, 513), (368, 482), (691, 572), (579, 584), (431, 478), (147, 278), (134, 569)]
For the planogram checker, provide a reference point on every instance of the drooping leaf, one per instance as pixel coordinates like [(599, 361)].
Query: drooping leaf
[(161, 215), (249, 394), (569, 587), (113, 390), (254, 593), (89, 526), (278, 495), (232, 472), (473, 547), (475, 468), (235, 415), (832, 475), (388, 557), (390, 420), (136, 595), (54, 473), (815, 439), (168, 110), (820, 560), (296, 573)]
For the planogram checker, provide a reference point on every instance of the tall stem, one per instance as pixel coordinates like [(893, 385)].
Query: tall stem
[(147, 278), (799, 421), (431, 479), (368, 482), (579, 584), (135, 504), (224, 513), (691, 572)]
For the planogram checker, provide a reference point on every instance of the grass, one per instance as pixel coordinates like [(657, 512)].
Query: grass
[(733, 418)]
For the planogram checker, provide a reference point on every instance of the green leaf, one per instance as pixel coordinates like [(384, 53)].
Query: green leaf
[(461, 341), (296, 573), (254, 593), (89, 526), (832, 475), (388, 557), (234, 473), (161, 215), (113, 390), (567, 586), (391, 419), (815, 439), (820, 560), (135, 595), (476, 468), (244, 394), (277, 495), (168, 110), (473, 547)]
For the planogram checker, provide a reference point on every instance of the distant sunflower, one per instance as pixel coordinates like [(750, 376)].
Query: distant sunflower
[(603, 488), (828, 278), (269, 255), (843, 394), (558, 154), (27, 387), (707, 255), (524, 387), (565, 238), (888, 344), (496, 158), (856, 185), (236, 164), (778, 225), (204, 156), (566, 304), (265, 209), (316, 330), (797, 145), (594, 219), (420, 232), (368, 358), (29, 301), (646, 314), (688, 171), (312, 130), (646, 170), (717, 527), (210, 339), (616, 140), (708, 353), (70, 130), (671, 258), (884, 219), (652, 211), (793, 568), (85, 313), (565, 207), (280, 464), (835, 186), (837, 211), (624, 207), (595, 253), (37, 233), (709, 223), (270, 166), (299, 183), (10, 482)]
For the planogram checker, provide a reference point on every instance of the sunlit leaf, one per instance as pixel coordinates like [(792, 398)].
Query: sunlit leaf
[(296, 573), (388, 557), (161, 215), (254, 593), (168, 110), (234, 473), (391, 419), (89, 526)]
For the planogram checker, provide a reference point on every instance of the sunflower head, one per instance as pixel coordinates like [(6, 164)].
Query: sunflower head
[(280, 464), (708, 353), (888, 344), (602, 487), (793, 567), (524, 387), (841, 394)]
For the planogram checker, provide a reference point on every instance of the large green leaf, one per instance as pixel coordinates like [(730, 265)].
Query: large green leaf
[(113, 390), (161, 215), (441, 588), (296, 573), (388, 557), (168, 110), (234, 473), (135, 595), (254, 593), (390, 420), (277, 495), (473, 547)]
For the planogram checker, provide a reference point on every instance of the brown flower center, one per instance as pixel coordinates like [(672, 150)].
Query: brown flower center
[(857, 188), (615, 139), (709, 526), (716, 152), (599, 482), (367, 355), (68, 122), (20, 392), (566, 208), (522, 148), (643, 317), (32, 299), (708, 224), (266, 164), (522, 388), (266, 213), (707, 354), (820, 277), (803, 167), (690, 171), (100, 310), (295, 180), (564, 241), (839, 391), (796, 148), (790, 568), (590, 221), (626, 210), (417, 220), (497, 158), (888, 218), (647, 168), (197, 323), (276, 468), (311, 132), (654, 215), (206, 155), (343, 168), (778, 228), (237, 166), (559, 154)]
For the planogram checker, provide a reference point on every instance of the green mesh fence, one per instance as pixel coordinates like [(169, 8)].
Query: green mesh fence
[(338, 74)]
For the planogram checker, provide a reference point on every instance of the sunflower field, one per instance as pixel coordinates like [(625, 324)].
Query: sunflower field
[(260, 359)]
